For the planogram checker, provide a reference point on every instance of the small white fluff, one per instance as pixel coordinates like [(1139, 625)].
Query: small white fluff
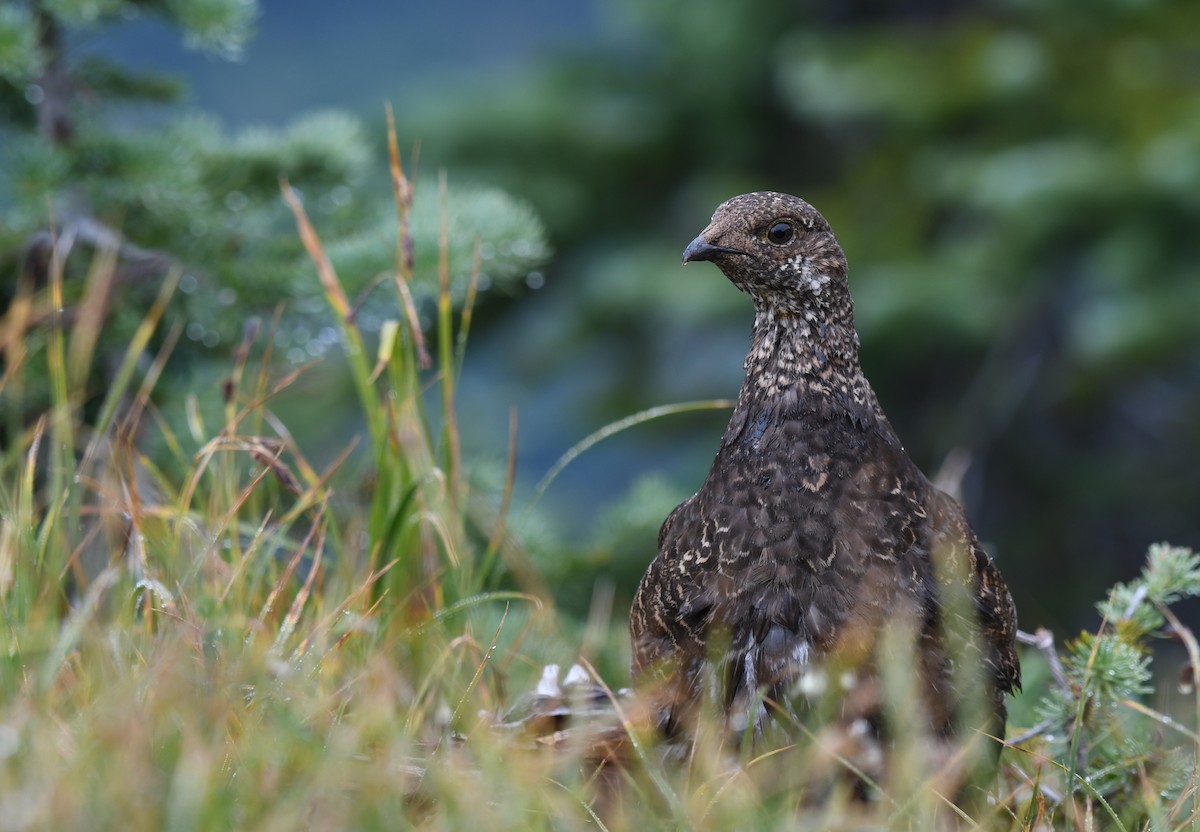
[(548, 686), (576, 676), (813, 683)]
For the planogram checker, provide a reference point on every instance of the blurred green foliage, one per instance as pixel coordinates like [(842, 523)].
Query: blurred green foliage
[(1017, 187), (94, 161)]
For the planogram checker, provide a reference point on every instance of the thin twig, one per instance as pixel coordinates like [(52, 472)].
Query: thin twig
[(1035, 731), (1043, 640)]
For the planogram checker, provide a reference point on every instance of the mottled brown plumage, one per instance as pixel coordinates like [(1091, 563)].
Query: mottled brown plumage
[(814, 531)]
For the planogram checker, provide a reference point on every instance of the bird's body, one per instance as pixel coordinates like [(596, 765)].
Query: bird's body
[(814, 532)]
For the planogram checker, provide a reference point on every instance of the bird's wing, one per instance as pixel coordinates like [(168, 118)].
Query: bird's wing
[(996, 615)]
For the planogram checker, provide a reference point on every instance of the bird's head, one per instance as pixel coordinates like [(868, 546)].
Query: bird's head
[(778, 249)]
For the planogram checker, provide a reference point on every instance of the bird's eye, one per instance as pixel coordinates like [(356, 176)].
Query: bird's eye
[(780, 233)]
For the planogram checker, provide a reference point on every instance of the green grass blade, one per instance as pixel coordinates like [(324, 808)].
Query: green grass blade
[(614, 428)]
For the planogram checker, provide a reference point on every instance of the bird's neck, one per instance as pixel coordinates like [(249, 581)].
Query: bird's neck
[(802, 360)]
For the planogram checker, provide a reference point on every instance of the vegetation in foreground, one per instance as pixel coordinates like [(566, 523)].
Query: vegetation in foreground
[(223, 635)]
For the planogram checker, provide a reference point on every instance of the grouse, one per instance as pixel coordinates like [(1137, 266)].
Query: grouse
[(814, 532)]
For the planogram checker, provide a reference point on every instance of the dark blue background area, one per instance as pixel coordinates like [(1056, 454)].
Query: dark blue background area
[(312, 54)]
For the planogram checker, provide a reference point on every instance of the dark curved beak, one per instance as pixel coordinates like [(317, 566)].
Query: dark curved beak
[(702, 249)]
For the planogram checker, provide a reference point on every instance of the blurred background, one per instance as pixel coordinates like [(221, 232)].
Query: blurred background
[(1016, 184)]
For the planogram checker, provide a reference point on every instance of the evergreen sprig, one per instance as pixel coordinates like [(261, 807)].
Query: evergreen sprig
[(1171, 574), (1093, 720)]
